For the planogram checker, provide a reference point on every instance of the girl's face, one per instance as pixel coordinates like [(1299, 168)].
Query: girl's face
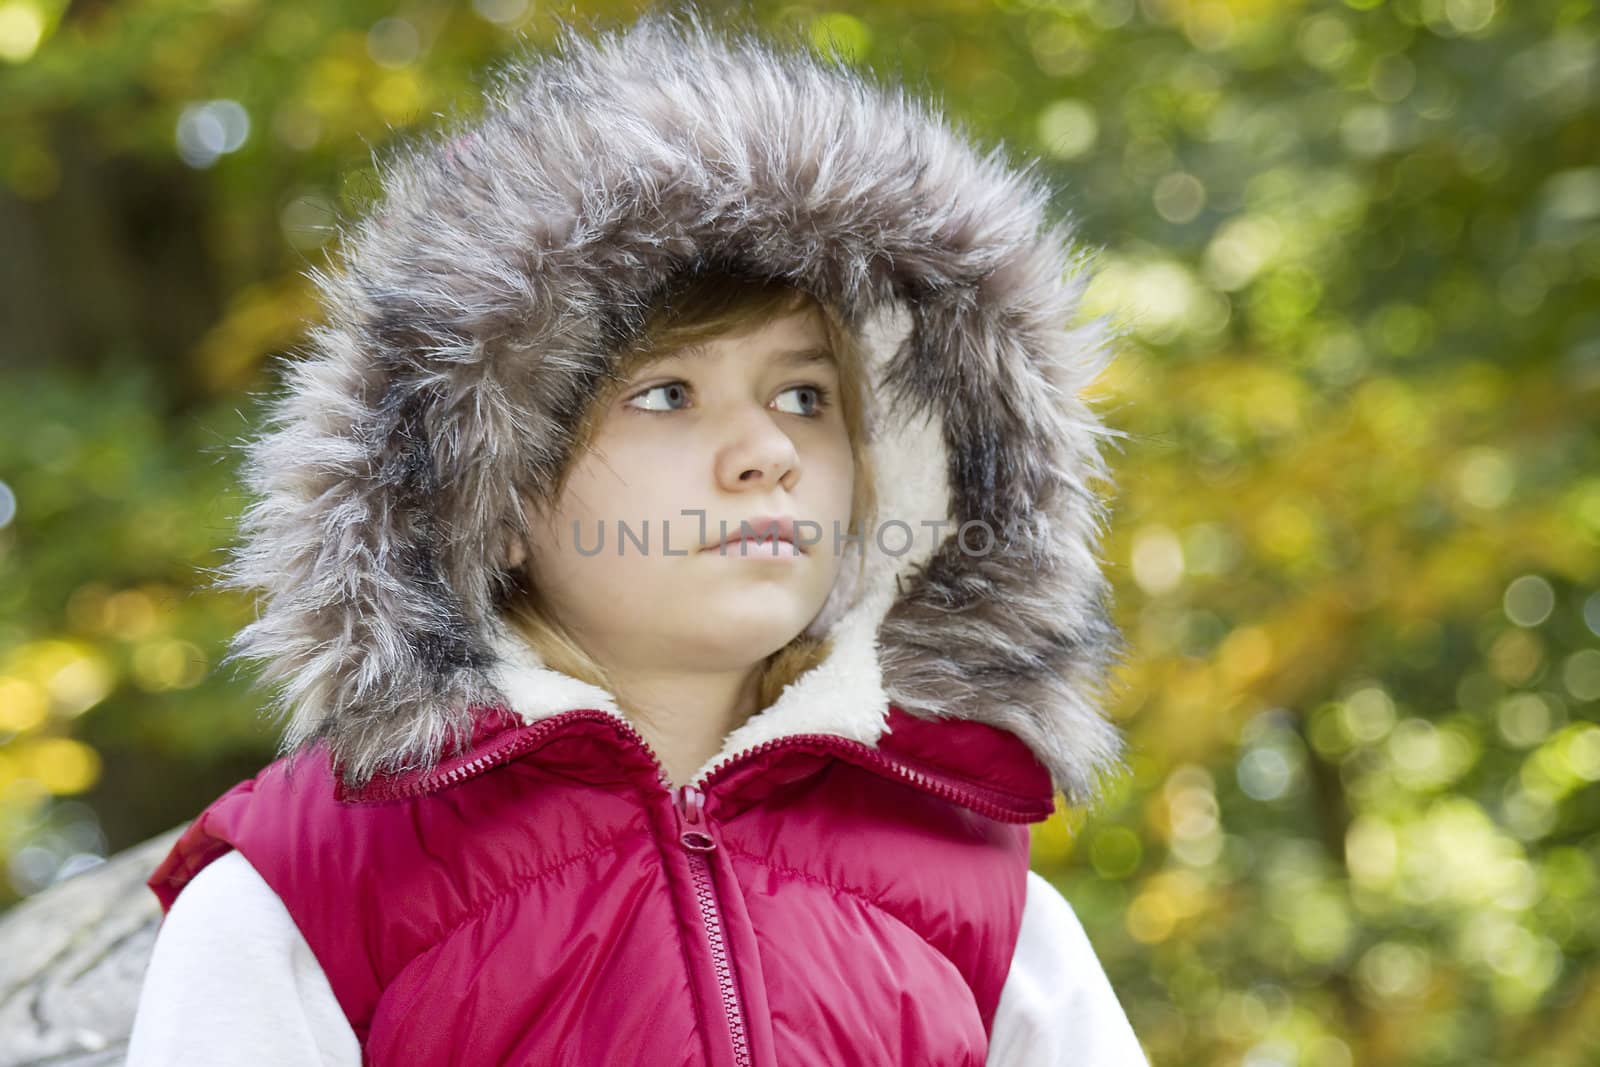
[(747, 426)]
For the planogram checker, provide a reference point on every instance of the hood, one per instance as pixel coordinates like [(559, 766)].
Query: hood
[(472, 312)]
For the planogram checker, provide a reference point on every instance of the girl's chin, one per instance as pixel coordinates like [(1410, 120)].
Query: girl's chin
[(746, 632)]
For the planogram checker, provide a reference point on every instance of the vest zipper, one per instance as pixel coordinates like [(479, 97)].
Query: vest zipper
[(521, 740), (698, 844), (993, 803)]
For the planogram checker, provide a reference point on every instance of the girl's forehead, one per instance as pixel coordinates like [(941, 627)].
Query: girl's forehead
[(795, 349), (792, 355)]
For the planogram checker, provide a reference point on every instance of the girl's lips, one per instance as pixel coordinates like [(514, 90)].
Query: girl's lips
[(758, 530), (750, 548)]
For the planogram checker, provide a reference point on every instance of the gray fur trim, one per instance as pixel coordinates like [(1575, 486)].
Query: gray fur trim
[(474, 309)]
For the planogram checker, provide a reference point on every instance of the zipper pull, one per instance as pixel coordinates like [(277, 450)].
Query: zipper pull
[(691, 803)]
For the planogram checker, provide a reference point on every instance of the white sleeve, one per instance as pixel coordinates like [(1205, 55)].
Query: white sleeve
[(1057, 1005), (231, 982)]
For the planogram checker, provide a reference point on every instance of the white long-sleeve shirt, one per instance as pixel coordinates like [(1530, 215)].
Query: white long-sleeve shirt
[(232, 983)]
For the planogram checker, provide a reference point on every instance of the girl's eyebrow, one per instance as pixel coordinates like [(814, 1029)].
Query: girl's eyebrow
[(805, 356)]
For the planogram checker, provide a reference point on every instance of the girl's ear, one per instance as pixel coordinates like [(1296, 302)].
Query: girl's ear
[(536, 513), (514, 549), (512, 553)]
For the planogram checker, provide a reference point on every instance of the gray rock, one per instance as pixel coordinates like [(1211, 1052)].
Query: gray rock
[(72, 961)]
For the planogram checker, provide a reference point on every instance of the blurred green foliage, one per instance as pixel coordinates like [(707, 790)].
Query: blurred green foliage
[(1356, 250)]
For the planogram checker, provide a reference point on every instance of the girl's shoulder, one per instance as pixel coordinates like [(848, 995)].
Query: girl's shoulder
[(1058, 1005), (228, 941)]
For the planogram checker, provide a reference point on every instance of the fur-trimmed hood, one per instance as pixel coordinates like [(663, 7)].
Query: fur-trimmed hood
[(472, 313)]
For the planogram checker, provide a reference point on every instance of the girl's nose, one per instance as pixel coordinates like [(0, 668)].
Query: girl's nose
[(757, 453)]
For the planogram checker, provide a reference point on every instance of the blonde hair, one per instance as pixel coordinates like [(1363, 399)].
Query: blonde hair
[(699, 309)]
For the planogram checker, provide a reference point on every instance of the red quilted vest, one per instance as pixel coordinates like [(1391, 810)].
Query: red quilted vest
[(546, 898)]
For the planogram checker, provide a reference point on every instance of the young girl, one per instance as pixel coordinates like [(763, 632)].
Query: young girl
[(680, 581)]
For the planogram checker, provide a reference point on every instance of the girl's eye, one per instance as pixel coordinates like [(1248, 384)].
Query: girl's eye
[(818, 396), (815, 399), (671, 390)]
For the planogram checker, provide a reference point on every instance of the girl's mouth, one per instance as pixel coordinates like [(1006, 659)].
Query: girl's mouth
[(753, 548), (760, 536)]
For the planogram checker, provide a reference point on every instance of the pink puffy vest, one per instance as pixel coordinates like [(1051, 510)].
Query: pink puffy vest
[(546, 898)]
